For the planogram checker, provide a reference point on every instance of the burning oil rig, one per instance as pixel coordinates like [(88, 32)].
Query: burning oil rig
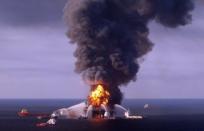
[(96, 107)]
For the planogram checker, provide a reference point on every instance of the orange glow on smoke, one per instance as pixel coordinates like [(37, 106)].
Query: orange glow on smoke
[(99, 96)]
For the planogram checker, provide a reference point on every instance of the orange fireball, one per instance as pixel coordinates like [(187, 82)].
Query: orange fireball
[(99, 96)]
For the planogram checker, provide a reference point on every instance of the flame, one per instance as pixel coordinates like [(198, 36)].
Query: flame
[(99, 96)]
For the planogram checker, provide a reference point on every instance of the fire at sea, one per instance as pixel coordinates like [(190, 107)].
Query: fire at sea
[(99, 96)]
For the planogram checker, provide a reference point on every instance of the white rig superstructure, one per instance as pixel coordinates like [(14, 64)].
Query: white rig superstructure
[(83, 111)]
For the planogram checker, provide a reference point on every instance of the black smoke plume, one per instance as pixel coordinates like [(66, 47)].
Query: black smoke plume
[(112, 34)]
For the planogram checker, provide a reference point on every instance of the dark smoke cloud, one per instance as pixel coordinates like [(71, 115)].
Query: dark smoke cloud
[(112, 34)]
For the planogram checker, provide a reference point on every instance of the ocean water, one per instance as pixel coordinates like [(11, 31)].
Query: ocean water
[(161, 115)]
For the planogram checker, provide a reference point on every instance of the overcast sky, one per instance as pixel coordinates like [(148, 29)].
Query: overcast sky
[(36, 60)]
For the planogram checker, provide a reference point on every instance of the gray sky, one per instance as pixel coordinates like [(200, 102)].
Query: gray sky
[(36, 60)]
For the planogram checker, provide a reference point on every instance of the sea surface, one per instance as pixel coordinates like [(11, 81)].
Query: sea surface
[(159, 115)]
